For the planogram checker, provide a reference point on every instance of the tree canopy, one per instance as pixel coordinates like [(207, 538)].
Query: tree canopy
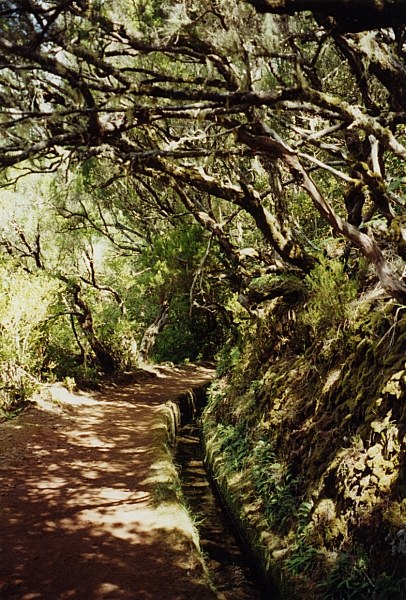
[(281, 137), (222, 179)]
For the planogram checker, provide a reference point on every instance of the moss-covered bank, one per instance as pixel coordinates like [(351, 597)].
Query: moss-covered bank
[(304, 434)]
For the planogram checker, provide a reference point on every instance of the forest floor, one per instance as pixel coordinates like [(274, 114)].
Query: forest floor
[(81, 514)]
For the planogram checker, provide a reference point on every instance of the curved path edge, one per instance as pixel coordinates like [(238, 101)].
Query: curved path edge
[(90, 507)]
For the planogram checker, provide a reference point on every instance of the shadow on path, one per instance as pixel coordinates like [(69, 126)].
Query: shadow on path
[(78, 515)]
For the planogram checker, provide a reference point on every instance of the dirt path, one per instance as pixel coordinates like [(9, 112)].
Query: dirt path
[(80, 514)]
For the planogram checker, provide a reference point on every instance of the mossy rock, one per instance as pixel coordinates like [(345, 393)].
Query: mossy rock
[(335, 414)]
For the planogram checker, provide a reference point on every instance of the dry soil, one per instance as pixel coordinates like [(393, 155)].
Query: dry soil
[(81, 513)]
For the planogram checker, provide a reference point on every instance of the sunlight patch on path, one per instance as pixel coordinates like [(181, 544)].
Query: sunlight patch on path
[(91, 511)]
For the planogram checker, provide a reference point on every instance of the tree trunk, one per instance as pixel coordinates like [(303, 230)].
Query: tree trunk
[(278, 149), (151, 333), (83, 314), (366, 243)]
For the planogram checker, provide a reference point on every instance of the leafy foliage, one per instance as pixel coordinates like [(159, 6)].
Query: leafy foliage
[(331, 293), (25, 307), (348, 579), (220, 184), (266, 131), (234, 443), (275, 484)]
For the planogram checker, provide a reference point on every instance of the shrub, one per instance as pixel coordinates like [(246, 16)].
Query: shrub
[(330, 295)]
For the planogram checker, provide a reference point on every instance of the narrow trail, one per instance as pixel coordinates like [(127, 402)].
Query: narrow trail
[(80, 516)]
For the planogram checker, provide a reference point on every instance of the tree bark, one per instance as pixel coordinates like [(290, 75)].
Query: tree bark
[(84, 316), (366, 243), (151, 333), (243, 196)]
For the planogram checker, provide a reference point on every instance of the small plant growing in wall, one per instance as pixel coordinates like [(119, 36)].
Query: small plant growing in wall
[(303, 555), (275, 484), (349, 580), (234, 443)]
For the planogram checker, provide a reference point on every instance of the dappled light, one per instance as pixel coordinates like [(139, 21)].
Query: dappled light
[(208, 183), (80, 517)]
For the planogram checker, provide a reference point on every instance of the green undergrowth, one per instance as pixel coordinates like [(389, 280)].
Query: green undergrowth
[(305, 435)]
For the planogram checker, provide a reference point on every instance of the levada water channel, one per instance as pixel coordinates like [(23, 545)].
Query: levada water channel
[(230, 567)]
